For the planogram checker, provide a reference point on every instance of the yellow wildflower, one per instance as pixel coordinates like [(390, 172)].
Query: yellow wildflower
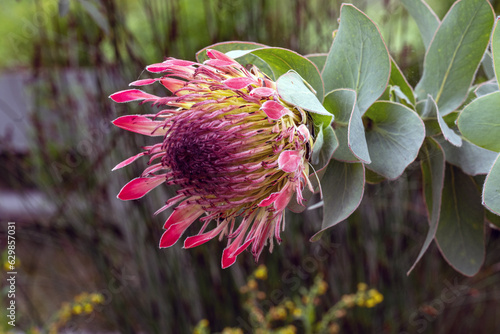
[(261, 272)]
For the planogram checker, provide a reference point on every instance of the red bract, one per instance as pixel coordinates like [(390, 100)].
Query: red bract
[(236, 151)]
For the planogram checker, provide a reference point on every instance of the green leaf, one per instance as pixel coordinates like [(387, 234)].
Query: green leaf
[(373, 178), (291, 88), (493, 219), (228, 47), (460, 234), (356, 138), (487, 64), (282, 61), (343, 187), (319, 59), (486, 88), (432, 163), (491, 189), (358, 58), (326, 143), (479, 122), (472, 159), (431, 110), (348, 126), (394, 134), (427, 21), (495, 50), (398, 79), (432, 127), (225, 47), (455, 54), (398, 90)]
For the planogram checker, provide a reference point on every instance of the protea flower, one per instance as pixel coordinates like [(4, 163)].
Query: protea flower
[(236, 151)]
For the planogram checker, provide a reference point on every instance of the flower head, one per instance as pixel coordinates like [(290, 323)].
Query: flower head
[(236, 151)]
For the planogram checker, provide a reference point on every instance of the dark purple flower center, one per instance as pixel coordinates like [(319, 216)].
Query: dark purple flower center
[(195, 157)]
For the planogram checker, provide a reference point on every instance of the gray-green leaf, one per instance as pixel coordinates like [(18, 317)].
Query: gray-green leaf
[(358, 58), (281, 61), (326, 143), (348, 126), (479, 122), (343, 187), (292, 89), (431, 109), (432, 163), (495, 50), (455, 53), (486, 88), (460, 234), (473, 159), (318, 59), (394, 135), (491, 189)]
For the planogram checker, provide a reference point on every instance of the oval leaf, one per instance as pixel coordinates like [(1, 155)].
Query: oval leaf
[(495, 50), (432, 163), (281, 61), (356, 139), (292, 89), (358, 58), (342, 192), (394, 134), (487, 64), (460, 234), (472, 159), (455, 54), (479, 122), (491, 190), (348, 126), (486, 88)]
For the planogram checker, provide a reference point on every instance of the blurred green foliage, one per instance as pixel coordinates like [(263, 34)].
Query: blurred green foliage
[(157, 29)]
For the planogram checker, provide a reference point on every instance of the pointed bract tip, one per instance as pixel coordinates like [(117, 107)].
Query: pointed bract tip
[(139, 187), (131, 95), (229, 255), (143, 82)]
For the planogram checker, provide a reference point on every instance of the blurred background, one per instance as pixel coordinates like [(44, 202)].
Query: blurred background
[(59, 62)]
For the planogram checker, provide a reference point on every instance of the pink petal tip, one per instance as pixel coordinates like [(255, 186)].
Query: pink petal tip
[(139, 187), (289, 161), (128, 161), (229, 256), (143, 82), (140, 124), (131, 95)]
